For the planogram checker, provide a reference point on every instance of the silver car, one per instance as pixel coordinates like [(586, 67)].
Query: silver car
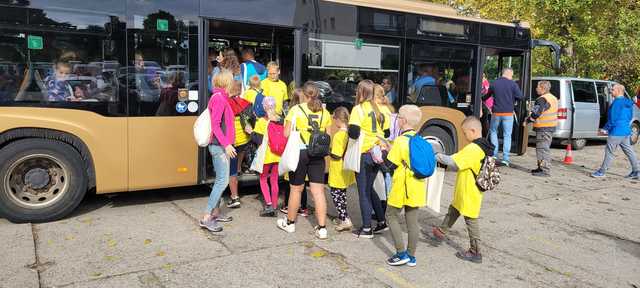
[(582, 109)]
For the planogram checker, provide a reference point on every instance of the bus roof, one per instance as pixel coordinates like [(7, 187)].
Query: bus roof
[(421, 7)]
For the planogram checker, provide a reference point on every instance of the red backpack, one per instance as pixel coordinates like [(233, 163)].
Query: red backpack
[(277, 140)]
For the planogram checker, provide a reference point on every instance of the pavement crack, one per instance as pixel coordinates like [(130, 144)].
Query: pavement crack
[(37, 266), (209, 236)]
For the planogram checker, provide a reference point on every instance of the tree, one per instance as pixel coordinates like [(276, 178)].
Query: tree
[(600, 38)]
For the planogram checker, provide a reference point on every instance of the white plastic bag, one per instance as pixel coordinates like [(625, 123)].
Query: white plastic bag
[(352, 155), (380, 187), (435, 184), (202, 129), (258, 160), (291, 155)]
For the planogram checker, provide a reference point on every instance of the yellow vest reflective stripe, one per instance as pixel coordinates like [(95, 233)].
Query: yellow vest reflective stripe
[(548, 118)]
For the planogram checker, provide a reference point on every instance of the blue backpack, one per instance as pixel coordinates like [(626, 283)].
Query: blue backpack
[(258, 109), (421, 156)]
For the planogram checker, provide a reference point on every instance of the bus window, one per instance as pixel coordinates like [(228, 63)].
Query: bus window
[(337, 67), (160, 73), (440, 76), (74, 63)]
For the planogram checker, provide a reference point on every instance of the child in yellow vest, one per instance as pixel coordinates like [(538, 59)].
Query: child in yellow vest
[(467, 198), (339, 178), (407, 193)]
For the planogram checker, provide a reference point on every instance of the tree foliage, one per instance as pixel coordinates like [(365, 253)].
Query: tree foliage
[(600, 38)]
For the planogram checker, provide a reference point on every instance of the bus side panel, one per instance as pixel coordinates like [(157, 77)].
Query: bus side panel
[(163, 152), (105, 138), (453, 116)]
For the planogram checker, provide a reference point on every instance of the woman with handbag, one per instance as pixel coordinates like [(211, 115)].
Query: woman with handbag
[(307, 118), (367, 121), (220, 148)]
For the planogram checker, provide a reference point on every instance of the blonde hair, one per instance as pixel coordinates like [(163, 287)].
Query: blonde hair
[(379, 94), (412, 114), (273, 64), (364, 93), (236, 89), (472, 122), (341, 113), (254, 82), (297, 97), (312, 94), (224, 80)]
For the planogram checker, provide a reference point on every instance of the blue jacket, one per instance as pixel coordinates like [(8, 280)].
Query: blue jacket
[(505, 92), (619, 117)]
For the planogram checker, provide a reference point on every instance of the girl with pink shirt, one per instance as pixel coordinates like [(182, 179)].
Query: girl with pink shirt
[(221, 148)]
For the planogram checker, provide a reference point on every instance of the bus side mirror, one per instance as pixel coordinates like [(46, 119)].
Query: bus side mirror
[(555, 49)]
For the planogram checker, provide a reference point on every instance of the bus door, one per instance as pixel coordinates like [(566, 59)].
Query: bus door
[(495, 61), (268, 43)]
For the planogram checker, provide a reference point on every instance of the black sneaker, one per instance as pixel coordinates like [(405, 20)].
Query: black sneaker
[(233, 203), (537, 170), (361, 233), (381, 227), (541, 173), (470, 256), (268, 212)]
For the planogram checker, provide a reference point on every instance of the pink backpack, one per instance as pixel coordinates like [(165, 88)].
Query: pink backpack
[(277, 140)]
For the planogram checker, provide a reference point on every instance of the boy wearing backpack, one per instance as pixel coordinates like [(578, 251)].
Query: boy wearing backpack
[(409, 187), (272, 127), (467, 197)]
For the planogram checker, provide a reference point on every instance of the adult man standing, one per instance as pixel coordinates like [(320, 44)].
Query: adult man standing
[(618, 127), (544, 116), (250, 67), (505, 93)]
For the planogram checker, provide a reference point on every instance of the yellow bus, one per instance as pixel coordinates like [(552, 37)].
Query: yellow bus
[(102, 95)]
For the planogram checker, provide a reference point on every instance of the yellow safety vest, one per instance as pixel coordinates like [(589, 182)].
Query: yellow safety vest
[(548, 118)]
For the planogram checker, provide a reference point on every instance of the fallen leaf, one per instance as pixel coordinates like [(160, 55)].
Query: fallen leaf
[(147, 241), (69, 237), (50, 242), (86, 220), (110, 258), (112, 243), (318, 254), (161, 253), (167, 266), (96, 274)]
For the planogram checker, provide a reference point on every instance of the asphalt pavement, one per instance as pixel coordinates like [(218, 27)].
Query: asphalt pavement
[(569, 230)]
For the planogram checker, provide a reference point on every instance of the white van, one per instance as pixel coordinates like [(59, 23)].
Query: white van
[(586, 101)]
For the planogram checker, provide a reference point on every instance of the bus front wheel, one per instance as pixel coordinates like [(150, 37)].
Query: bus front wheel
[(635, 133), (40, 180)]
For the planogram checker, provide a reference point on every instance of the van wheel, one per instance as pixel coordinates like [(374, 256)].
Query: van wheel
[(578, 144), (40, 180), (443, 136), (635, 133)]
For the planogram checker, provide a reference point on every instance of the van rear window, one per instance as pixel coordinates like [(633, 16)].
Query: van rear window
[(555, 88)]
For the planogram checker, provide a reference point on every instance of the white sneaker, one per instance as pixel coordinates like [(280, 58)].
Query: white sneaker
[(345, 225), (282, 224), (321, 233)]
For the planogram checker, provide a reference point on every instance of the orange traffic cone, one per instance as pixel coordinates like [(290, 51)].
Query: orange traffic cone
[(568, 156)]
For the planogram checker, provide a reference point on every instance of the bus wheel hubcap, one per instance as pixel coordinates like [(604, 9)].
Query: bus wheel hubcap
[(36, 181)]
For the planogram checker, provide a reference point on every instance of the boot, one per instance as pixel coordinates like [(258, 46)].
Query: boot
[(537, 170)]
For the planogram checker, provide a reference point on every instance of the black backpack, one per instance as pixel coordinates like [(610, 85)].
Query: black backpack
[(319, 141)]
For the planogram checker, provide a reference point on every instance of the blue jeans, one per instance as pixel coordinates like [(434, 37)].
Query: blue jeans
[(507, 127), (369, 200), (221, 168)]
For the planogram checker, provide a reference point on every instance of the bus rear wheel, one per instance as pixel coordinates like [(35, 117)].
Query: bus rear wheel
[(442, 135), (40, 180)]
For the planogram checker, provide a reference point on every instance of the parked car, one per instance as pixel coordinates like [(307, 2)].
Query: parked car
[(586, 101)]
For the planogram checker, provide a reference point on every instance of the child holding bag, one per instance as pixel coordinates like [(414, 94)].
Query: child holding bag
[(340, 179), (270, 127)]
